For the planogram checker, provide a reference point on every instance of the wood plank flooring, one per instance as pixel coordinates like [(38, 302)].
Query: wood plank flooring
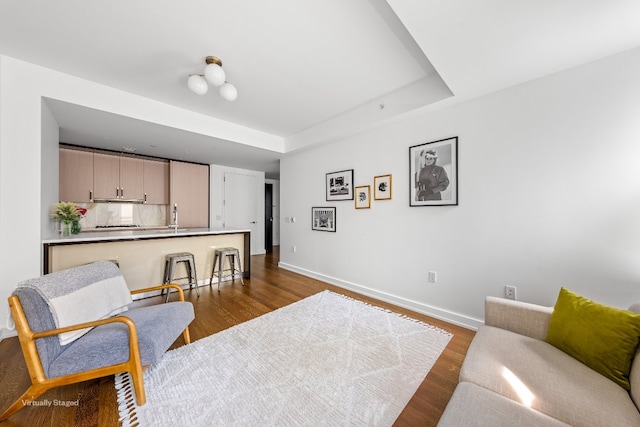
[(268, 289)]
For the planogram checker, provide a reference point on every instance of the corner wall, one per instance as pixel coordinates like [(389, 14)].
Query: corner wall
[(549, 192)]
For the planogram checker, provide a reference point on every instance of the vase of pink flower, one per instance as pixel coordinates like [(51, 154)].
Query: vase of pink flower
[(69, 215)]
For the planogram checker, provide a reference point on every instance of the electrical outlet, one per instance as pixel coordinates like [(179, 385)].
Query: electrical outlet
[(433, 277), (510, 292)]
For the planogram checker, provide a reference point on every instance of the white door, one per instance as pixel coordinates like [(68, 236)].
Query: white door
[(241, 205)]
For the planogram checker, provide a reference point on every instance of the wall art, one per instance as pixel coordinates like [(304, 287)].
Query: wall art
[(323, 219), (382, 187), (434, 173), (363, 197), (340, 185)]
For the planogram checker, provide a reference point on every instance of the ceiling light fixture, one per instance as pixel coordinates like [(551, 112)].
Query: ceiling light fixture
[(214, 74)]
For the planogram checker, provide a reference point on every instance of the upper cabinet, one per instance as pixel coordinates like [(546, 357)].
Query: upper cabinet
[(76, 175), (190, 191), (90, 175), (117, 177), (156, 182)]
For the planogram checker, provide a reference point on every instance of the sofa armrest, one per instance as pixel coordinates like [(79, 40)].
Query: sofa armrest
[(520, 317)]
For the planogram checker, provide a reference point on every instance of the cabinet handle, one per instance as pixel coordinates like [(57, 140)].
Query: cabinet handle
[(117, 192), (145, 197), (90, 196), (122, 192)]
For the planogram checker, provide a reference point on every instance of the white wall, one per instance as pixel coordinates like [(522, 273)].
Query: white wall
[(50, 167), (549, 188)]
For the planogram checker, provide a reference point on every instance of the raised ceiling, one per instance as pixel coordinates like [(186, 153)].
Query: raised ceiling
[(307, 72)]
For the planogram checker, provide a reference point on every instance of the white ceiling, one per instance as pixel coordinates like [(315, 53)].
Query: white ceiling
[(307, 71)]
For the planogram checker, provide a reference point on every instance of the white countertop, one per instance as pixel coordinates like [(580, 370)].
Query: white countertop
[(97, 236)]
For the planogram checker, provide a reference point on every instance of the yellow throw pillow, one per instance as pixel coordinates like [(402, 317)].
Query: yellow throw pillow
[(603, 338)]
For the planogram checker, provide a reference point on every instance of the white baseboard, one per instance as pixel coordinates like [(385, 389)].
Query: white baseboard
[(447, 316)]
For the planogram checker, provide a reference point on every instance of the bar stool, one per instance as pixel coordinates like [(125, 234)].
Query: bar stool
[(219, 255), (170, 263)]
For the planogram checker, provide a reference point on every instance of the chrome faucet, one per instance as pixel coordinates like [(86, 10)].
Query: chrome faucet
[(174, 216)]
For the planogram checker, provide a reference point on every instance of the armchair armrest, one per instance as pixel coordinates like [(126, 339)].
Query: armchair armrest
[(520, 317), (121, 319), (160, 287)]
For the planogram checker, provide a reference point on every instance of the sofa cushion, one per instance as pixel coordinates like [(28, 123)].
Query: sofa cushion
[(603, 338), (155, 336), (558, 385), (472, 405)]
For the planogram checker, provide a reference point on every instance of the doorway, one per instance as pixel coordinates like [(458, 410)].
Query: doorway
[(268, 218)]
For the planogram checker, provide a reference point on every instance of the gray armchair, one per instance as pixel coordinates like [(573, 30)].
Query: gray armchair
[(58, 353)]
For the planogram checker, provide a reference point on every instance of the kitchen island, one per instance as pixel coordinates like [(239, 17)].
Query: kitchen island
[(141, 253)]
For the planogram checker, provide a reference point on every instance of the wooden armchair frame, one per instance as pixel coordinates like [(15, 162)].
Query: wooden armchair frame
[(40, 383)]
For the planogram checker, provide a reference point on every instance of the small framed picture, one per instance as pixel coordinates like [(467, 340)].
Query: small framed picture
[(340, 185), (323, 219), (363, 197), (433, 176), (382, 187)]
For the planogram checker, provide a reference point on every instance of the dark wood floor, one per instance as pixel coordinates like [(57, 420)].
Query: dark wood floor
[(268, 289)]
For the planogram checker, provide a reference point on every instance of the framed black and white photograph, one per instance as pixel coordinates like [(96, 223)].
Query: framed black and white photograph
[(323, 219), (363, 197), (382, 187), (433, 175), (340, 185)]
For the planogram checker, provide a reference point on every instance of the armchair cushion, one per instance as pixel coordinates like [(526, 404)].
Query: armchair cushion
[(155, 335)]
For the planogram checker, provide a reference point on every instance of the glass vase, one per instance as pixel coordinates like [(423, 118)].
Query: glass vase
[(66, 228), (75, 227)]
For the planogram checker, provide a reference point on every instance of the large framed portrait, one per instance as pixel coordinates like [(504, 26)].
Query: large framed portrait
[(323, 219), (340, 185), (433, 175)]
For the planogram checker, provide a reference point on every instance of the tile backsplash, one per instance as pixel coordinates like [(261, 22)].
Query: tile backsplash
[(123, 214)]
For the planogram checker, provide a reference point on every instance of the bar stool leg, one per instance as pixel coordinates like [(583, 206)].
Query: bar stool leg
[(213, 268), (220, 265), (237, 254), (169, 265), (192, 269)]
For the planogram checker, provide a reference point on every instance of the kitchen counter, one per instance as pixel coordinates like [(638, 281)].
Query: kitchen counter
[(141, 253), (138, 233)]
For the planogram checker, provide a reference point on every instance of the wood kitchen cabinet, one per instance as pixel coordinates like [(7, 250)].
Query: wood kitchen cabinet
[(190, 191), (156, 182), (76, 175), (117, 177)]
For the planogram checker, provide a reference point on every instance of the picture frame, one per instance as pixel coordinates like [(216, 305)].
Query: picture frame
[(363, 197), (340, 185), (382, 189), (323, 219), (433, 173)]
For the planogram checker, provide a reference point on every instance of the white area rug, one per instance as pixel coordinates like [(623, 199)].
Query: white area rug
[(325, 360)]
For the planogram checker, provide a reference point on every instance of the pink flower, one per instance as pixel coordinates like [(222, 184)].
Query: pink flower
[(82, 211)]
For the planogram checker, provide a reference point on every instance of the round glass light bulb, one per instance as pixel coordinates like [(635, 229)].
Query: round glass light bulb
[(197, 84), (228, 92), (214, 74)]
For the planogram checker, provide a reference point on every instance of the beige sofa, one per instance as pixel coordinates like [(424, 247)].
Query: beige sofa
[(512, 377)]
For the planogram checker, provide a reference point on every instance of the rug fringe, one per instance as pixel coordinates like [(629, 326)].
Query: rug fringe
[(404, 316), (126, 400)]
